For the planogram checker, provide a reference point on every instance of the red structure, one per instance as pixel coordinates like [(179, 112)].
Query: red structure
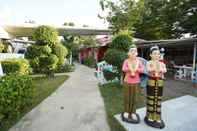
[(97, 51)]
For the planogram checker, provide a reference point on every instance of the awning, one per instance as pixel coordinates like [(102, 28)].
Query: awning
[(169, 42), (4, 34), (26, 30)]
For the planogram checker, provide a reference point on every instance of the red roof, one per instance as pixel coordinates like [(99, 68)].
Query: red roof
[(103, 41)]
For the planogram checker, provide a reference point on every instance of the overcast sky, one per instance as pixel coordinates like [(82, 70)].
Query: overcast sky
[(54, 12)]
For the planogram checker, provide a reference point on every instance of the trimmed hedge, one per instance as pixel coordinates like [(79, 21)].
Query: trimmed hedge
[(16, 65), (16, 92)]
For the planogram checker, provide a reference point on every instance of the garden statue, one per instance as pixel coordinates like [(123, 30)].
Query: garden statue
[(154, 90), (132, 67)]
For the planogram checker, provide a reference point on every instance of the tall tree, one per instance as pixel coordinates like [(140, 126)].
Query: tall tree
[(122, 14), (153, 24), (153, 19), (188, 22), (165, 19)]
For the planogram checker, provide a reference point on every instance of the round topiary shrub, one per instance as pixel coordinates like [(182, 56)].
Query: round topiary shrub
[(48, 63), (45, 35), (34, 63), (122, 42), (115, 58), (61, 52), (37, 51), (43, 56)]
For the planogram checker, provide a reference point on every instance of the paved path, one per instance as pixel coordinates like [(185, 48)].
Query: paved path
[(76, 106)]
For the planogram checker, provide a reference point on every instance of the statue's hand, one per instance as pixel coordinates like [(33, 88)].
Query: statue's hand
[(133, 74)]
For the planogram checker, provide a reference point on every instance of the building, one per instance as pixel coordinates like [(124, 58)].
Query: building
[(180, 55), (14, 34), (97, 51)]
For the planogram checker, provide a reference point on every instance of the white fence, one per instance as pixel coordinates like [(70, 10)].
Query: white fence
[(4, 56)]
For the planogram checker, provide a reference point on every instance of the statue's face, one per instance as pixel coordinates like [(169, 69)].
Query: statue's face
[(133, 53), (155, 55)]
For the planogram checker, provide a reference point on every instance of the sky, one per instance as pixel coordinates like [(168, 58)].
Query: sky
[(54, 12)]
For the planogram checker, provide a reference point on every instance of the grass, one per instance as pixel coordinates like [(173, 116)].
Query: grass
[(44, 86), (113, 104), (113, 98)]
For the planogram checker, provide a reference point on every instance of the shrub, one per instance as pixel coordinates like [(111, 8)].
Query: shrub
[(16, 92), (48, 64), (61, 52), (17, 65), (115, 57), (40, 55), (64, 68), (89, 61), (35, 64), (122, 42), (37, 51), (45, 35), (109, 76)]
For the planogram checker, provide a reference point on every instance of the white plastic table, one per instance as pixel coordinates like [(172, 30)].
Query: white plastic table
[(183, 72)]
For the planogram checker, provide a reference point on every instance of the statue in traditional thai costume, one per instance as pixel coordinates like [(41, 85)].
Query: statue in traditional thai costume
[(156, 70), (132, 67)]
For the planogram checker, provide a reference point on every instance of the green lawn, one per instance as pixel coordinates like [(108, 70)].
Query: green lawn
[(44, 86), (113, 104)]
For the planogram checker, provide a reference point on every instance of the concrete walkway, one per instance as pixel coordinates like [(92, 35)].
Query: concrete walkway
[(76, 106)]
